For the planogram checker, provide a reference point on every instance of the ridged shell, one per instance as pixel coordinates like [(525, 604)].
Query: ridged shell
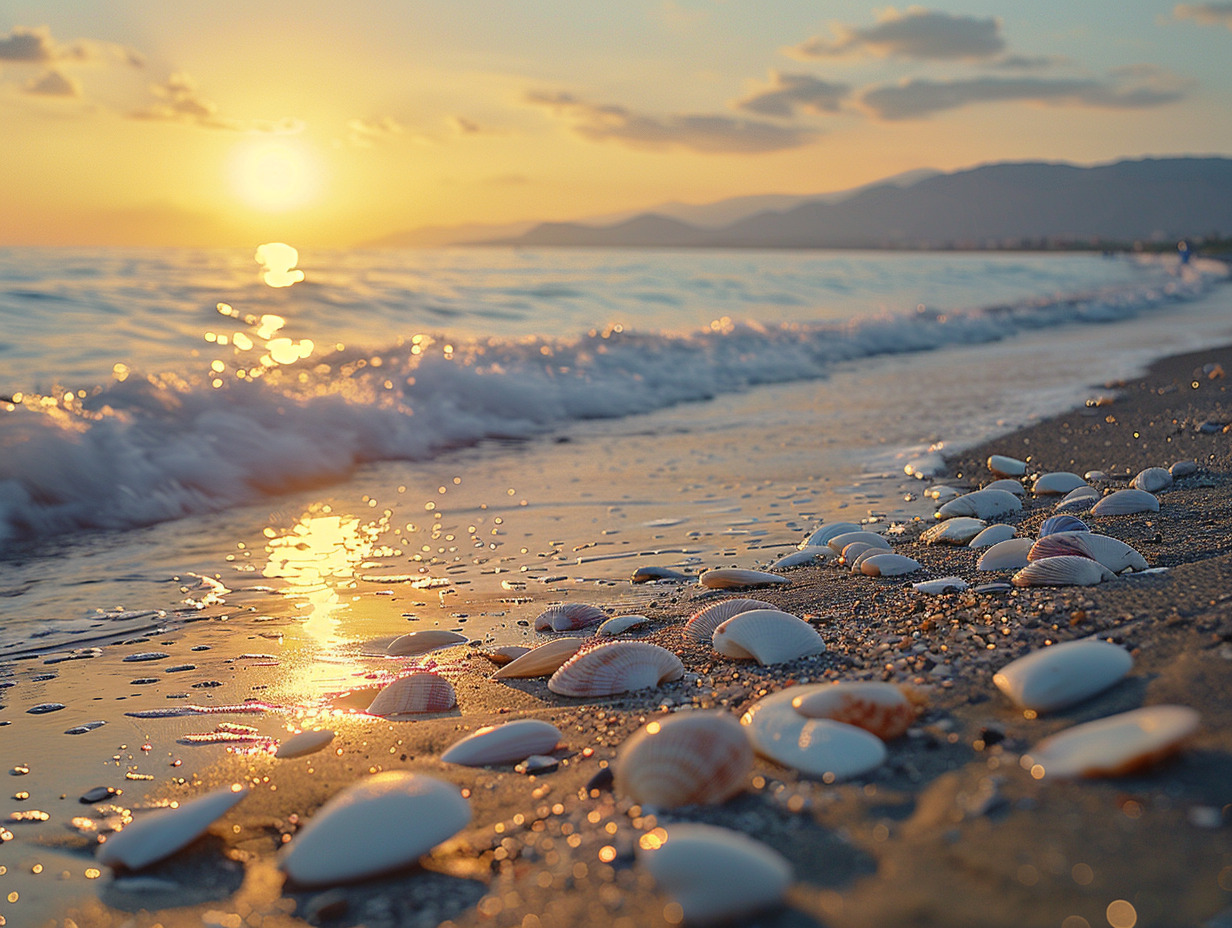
[(620, 624), (416, 692), (700, 757), (768, 636), (568, 617), (839, 542), (379, 823), (815, 747), (1004, 466), (1063, 674), (1065, 570), (957, 531), (823, 533), (1010, 554), (1183, 469), (1115, 745), (888, 565), (940, 585), (152, 837), (701, 626), (541, 661), (993, 534), (507, 743), (1054, 524), (306, 742), (616, 667), (716, 875), (810, 554), (880, 708), (430, 639), (982, 504), (1113, 553), (1009, 486), (730, 578), (1153, 479), (1126, 502), (1056, 483)]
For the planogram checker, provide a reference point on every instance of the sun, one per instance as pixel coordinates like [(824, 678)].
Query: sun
[(274, 175)]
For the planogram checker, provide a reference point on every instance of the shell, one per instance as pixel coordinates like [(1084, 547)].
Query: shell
[(1009, 486), (507, 743), (505, 654), (1095, 476), (1115, 745), (716, 875), (810, 554), (306, 742), (941, 585), (1183, 469), (540, 661), (982, 504), (957, 531), (1010, 554), (1056, 483), (1153, 479), (889, 565), (1113, 553), (822, 534), (1079, 500), (815, 747), (568, 616), (853, 551), (700, 757), (839, 542), (1126, 502), (416, 692), (880, 708), (1004, 466), (621, 623), (648, 573), (728, 578), (1062, 524), (151, 838), (1065, 570), (701, 626), (616, 667), (768, 636), (1063, 674), (377, 824), (422, 642), (993, 534)]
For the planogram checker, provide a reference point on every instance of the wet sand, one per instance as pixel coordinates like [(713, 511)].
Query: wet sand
[(949, 831)]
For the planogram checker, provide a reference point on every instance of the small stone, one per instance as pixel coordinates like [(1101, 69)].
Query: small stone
[(99, 793)]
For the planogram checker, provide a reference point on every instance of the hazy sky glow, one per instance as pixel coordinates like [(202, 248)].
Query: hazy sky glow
[(229, 123)]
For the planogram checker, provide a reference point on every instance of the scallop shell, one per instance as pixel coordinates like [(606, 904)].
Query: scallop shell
[(416, 692), (1183, 469), (1064, 570), (815, 747), (150, 838), (616, 667), (1126, 502), (839, 542), (1113, 553), (1009, 486), (1004, 466), (507, 743), (982, 504), (880, 708), (620, 623), (888, 565), (822, 534), (1063, 523), (700, 757), (701, 626), (941, 585), (377, 824), (716, 875), (993, 534), (1153, 479), (1063, 674), (1056, 483), (422, 642), (540, 661), (569, 616), (728, 578), (1115, 745), (1010, 554), (810, 554), (957, 531), (767, 636), (306, 742)]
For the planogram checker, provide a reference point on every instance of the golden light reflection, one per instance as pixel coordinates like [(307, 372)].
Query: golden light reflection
[(278, 261), (274, 175)]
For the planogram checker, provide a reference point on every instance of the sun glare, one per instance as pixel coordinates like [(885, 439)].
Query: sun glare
[(274, 175)]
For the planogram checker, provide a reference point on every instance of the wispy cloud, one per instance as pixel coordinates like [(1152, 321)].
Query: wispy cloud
[(365, 133), (36, 46), (916, 33), (54, 84), (178, 100), (789, 93), (1027, 62), (1208, 14)]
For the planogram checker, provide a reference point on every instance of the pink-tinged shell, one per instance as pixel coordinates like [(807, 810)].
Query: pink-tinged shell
[(816, 747), (541, 661), (568, 617), (505, 654), (956, 531), (689, 758), (306, 742), (1126, 502), (1113, 553), (160, 834), (1056, 483), (880, 708), (1115, 745), (888, 565), (619, 624), (1004, 466), (1063, 674), (1010, 554), (1064, 570), (616, 667), (767, 636), (701, 627), (416, 692), (509, 743), (982, 504), (1153, 479), (839, 542), (422, 642), (733, 578)]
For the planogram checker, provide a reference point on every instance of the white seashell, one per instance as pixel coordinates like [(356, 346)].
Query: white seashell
[(941, 585), (616, 667), (568, 617), (821, 536), (727, 578), (888, 565), (377, 824), (150, 838), (857, 549), (700, 757), (540, 661), (621, 623), (1056, 483), (1126, 502), (1063, 674), (815, 747), (982, 504), (1065, 570), (1153, 479), (1183, 469), (880, 708), (507, 743), (1003, 466), (956, 531), (422, 642), (306, 742), (1115, 745), (1113, 553), (811, 554), (416, 692), (767, 636), (703, 623), (1079, 500), (714, 874), (839, 542), (993, 534), (1009, 486), (1062, 524), (1010, 554)]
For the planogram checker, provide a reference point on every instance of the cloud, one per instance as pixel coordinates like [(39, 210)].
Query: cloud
[(36, 46), (178, 100), (917, 33), (789, 93), (1207, 14), (710, 134), (54, 84), (364, 133), (1027, 63)]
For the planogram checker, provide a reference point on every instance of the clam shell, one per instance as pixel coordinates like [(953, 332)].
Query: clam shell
[(767, 636), (853, 551), (1062, 524), (422, 642), (569, 616), (888, 565), (619, 624), (540, 661), (1079, 500), (815, 747), (993, 534), (1063, 674), (152, 837), (507, 743), (1153, 479), (728, 578), (1183, 469), (616, 667), (1126, 502), (648, 573), (1064, 570), (306, 742), (416, 692), (1010, 554), (982, 504), (1115, 745), (503, 655), (1009, 486), (716, 875), (941, 585), (700, 757), (701, 626), (839, 542), (822, 534), (380, 823), (1056, 483), (880, 708), (1004, 466), (1113, 553), (956, 531), (810, 554)]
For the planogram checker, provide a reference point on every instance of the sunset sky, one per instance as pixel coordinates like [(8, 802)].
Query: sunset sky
[(228, 123)]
